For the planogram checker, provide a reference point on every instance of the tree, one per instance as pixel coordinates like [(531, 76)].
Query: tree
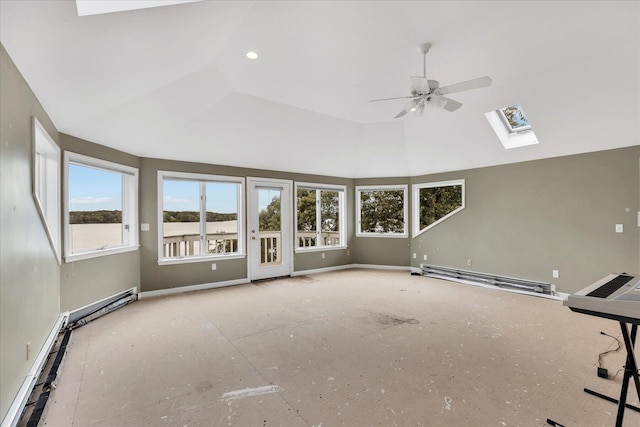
[(437, 202), (306, 210), (269, 217), (382, 211)]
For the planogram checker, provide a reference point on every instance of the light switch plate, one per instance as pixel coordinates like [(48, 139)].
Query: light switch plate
[(619, 228)]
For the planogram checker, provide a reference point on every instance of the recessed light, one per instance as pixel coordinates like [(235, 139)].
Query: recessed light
[(252, 55)]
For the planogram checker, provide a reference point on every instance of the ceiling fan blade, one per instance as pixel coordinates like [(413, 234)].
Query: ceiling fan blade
[(389, 99), (467, 85), (400, 114), (450, 104)]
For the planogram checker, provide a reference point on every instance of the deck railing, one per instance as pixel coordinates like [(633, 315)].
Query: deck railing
[(185, 245)]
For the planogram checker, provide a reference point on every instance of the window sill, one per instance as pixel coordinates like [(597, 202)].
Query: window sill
[(321, 249), (187, 260), (99, 253), (386, 235)]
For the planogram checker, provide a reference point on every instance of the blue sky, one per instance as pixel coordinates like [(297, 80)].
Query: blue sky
[(94, 189)]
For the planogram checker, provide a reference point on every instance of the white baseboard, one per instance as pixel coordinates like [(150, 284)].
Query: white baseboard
[(382, 267), (191, 288), (349, 267), (321, 270), (181, 289), (12, 417)]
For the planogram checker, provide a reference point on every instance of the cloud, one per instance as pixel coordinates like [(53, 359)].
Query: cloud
[(89, 200), (171, 199)]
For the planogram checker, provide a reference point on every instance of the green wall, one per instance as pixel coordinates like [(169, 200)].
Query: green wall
[(29, 271), (158, 277), (87, 281), (527, 219), (384, 251)]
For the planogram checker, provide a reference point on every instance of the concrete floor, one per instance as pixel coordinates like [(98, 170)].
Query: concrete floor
[(353, 348)]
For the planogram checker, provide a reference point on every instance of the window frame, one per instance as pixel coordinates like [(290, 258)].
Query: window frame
[(405, 214), (342, 216), (129, 196), (47, 185), (415, 189), (201, 179)]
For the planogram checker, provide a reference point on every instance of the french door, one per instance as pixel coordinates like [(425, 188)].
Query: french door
[(269, 228)]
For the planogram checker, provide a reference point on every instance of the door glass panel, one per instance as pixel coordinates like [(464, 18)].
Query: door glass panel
[(269, 226)]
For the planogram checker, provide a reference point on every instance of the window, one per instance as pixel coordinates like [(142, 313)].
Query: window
[(46, 184), (512, 127), (514, 118), (101, 207), (320, 216), (382, 211), (434, 202), (199, 217)]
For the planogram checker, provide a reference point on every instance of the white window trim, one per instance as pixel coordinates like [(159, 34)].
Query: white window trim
[(47, 185), (199, 177), (405, 214), (415, 189), (342, 203), (129, 205)]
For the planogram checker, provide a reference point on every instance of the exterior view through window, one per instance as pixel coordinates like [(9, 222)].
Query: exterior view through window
[(319, 216), (95, 209), (101, 207), (436, 202), (382, 211), (269, 225), (200, 216)]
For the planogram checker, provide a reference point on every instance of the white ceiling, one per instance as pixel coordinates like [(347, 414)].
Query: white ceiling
[(173, 82)]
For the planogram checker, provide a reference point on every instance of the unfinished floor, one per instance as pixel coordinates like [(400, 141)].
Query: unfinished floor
[(352, 348)]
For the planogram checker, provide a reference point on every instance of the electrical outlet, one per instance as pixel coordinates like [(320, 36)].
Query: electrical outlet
[(425, 257), (144, 227), (469, 262), (348, 253), (555, 274), (322, 255), (415, 255), (214, 266)]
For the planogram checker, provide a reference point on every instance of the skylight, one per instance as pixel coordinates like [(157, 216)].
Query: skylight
[(512, 126), (514, 118), (96, 7)]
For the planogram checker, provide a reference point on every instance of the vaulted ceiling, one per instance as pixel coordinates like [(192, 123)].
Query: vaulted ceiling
[(174, 82)]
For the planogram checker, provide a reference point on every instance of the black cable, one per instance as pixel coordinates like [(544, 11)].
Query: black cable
[(601, 355)]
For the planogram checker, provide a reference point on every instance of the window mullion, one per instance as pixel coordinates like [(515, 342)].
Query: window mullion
[(203, 217), (318, 218), (124, 193)]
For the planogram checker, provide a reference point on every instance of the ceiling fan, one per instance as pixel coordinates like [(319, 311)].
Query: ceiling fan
[(425, 92)]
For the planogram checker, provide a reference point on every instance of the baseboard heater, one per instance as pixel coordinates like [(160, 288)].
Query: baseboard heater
[(99, 309), (41, 389), (488, 279)]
